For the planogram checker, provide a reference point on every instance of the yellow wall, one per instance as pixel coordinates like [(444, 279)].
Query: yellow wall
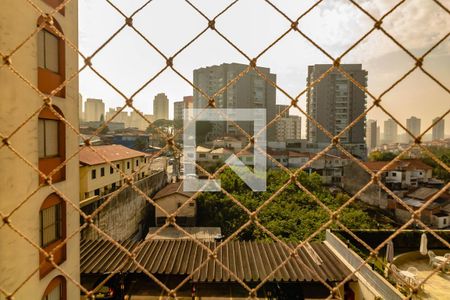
[(19, 259), (89, 185), (170, 205)]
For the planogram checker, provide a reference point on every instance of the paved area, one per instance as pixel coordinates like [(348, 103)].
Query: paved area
[(436, 287)]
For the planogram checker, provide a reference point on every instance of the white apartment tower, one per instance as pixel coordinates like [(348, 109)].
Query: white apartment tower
[(27, 200)]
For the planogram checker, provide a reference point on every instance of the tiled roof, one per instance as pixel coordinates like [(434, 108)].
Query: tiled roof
[(110, 152), (407, 164), (172, 188), (250, 261)]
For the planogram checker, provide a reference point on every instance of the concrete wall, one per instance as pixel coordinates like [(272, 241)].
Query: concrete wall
[(18, 258), (170, 205), (355, 178), (127, 212)]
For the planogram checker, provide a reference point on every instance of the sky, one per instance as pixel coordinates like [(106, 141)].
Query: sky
[(129, 62)]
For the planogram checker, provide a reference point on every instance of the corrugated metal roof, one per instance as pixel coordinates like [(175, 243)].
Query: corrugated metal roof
[(250, 261)]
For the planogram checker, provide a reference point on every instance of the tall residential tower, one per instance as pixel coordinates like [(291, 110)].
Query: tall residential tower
[(334, 103), (250, 91)]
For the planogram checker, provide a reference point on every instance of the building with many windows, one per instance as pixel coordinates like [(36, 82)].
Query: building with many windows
[(371, 134), (250, 91), (98, 177), (334, 103), (161, 107), (390, 132), (438, 132), (413, 125), (29, 200), (288, 128)]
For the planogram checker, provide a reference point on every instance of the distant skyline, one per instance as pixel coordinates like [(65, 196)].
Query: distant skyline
[(129, 62)]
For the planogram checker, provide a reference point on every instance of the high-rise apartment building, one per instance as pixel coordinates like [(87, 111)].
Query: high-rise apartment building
[(250, 91), (161, 107), (438, 131), (178, 110), (390, 132), (371, 134), (280, 108), (31, 205), (94, 109), (413, 125), (179, 106), (288, 128), (335, 102)]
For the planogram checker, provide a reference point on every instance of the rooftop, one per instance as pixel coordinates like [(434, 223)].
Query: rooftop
[(172, 188), (407, 164), (250, 261), (110, 152)]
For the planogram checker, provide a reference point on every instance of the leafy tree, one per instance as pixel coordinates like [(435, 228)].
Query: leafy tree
[(292, 215), (382, 156)]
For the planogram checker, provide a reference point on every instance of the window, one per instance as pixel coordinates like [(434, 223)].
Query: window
[(56, 289), (202, 155), (50, 224), (128, 164), (111, 170), (102, 172), (48, 56), (191, 204), (93, 174), (51, 143), (52, 231), (118, 167), (51, 58), (48, 138), (97, 192), (137, 163)]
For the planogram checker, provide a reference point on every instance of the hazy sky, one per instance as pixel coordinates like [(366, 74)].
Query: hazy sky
[(129, 62)]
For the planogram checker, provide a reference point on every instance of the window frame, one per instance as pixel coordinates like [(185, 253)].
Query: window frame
[(55, 282), (59, 254), (49, 80), (48, 164)]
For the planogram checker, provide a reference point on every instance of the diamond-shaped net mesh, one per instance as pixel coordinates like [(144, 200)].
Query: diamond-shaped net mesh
[(129, 254)]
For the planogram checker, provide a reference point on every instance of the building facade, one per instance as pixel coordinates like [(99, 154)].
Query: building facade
[(371, 134), (98, 177), (178, 110), (413, 125), (438, 132), (335, 102), (288, 128), (250, 91), (31, 204), (94, 109), (390, 132), (161, 107)]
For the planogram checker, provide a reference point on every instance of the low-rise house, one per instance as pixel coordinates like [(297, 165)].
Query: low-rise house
[(171, 198), (229, 142), (435, 214), (402, 174), (98, 177)]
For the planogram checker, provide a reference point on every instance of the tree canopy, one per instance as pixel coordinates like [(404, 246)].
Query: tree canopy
[(292, 215)]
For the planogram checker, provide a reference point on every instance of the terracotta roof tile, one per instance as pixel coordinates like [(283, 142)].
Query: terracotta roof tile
[(110, 152)]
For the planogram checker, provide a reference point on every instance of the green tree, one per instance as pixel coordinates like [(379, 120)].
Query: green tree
[(292, 215)]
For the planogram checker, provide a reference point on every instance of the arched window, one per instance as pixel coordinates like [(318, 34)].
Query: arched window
[(52, 231), (51, 143), (51, 59), (56, 289)]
